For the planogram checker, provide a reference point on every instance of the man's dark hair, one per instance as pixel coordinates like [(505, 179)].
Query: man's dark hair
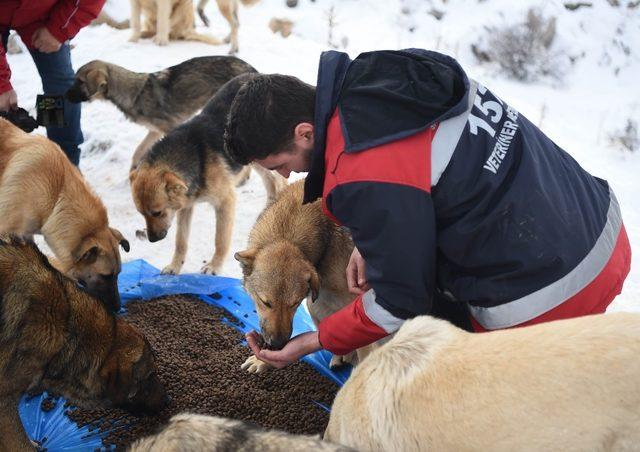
[(264, 114)]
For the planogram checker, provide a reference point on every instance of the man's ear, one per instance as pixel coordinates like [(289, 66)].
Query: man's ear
[(303, 132), (246, 259), (175, 186)]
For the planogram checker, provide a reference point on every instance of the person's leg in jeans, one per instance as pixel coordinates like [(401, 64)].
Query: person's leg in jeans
[(57, 76)]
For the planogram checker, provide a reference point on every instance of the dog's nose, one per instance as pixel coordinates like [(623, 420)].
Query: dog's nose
[(156, 236), (277, 343)]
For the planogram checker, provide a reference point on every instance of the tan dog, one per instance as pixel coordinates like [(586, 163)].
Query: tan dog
[(55, 337), (229, 10), (189, 166), (41, 192), (568, 385), (294, 252), (165, 20), (197, 433)]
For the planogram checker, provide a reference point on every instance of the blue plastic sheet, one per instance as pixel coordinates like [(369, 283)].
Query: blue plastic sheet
[(56, 432)]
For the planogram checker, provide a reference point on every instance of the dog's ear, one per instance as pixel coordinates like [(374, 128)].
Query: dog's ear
[(124, 243), (87, 252), (314, 284), (246, 259), (97, 81), (132, 175), (175, 186)]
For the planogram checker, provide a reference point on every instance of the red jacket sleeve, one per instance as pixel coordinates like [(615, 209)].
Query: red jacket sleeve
[(5, 72), (360, 323), (69, 16)]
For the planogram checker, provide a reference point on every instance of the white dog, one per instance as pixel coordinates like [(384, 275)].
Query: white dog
[(569, 385)]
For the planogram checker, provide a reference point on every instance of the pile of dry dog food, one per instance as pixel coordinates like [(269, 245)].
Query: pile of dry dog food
[(199, 358)]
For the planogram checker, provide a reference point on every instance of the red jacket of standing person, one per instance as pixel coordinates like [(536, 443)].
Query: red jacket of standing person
[(63, 19)]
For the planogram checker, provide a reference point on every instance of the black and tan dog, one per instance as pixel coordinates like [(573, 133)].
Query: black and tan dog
[(295, 252), (189, 166), (159, 101), (55, 337), (41, 192)]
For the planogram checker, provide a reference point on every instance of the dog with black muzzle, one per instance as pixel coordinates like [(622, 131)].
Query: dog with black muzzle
[(159, 101), (41, 192), (188, 166)]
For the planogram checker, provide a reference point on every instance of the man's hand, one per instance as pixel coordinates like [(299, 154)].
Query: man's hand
[(356, 277), (8, 100), (295, 349), (44, 41)]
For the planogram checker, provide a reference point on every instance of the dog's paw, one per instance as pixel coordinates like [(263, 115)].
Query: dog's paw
[(254, 365), (211, 269), (170, 270), (161, 40), (342, 360), (135, 37)]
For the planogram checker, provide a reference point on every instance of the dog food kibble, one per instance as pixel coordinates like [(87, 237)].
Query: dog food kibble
[(48, 404), (199, 358)]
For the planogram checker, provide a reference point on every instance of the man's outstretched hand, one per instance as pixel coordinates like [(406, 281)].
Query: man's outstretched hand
[(295, 349)]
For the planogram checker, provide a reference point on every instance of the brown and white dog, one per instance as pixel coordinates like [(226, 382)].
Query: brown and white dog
[(165, 20), (568, 385), (41, 192)]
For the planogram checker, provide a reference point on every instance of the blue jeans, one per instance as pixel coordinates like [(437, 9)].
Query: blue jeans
[(57, 76)]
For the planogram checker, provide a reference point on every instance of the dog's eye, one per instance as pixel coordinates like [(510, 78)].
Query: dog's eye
[(266, 303), (157, 213)]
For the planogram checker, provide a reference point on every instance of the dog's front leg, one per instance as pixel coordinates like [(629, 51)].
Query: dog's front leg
[(163, 22), (225, 208), (182, 241), (135, 20), (12, 434), (229, 10)]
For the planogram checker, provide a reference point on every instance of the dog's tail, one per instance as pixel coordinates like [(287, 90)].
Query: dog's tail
[(104, 18), (195, 36), (249, 2), (201, 13)]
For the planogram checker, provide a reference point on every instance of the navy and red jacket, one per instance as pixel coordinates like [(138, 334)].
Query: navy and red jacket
[(444, 186), (63, 19)]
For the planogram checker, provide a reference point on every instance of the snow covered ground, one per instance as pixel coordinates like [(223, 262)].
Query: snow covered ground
[(597, 95)]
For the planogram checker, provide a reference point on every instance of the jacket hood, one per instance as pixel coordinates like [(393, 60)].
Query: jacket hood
[(381, 97)]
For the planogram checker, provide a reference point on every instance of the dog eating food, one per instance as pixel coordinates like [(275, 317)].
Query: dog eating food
[(199, 358)]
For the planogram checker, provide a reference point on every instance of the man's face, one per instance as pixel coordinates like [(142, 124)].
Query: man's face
[(296, 158)]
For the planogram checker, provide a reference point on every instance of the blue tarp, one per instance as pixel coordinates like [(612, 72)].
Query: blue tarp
[(55, 431)]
